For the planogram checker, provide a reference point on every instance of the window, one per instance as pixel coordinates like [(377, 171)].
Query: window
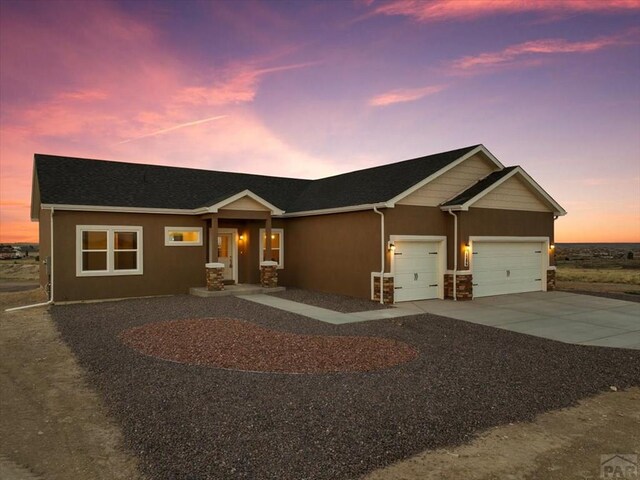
[(182, 236), (108, 250), (277, 246)]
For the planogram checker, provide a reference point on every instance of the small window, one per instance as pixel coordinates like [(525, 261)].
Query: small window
[(277, 246), (183, 236), (108, 250)]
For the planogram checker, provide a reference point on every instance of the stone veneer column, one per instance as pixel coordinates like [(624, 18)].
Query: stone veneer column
[(269, 273), (551, 279), (464, 286), (215, 276), (464, 290), (387, 289)]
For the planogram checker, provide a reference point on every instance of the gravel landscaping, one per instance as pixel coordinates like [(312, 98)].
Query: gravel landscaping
[(331, 301), (240, 345), (189, 421)]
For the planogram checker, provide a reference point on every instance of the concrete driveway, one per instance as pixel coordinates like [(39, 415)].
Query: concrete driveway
[(567, 317)]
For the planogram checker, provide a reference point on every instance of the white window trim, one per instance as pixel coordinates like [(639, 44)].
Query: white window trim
[(168, 242), (110, 271), (281, 245)]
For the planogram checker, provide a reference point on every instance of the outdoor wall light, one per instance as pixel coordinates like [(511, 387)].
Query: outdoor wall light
[(467, 249), (242, 237), (552, 247), (392, 246)]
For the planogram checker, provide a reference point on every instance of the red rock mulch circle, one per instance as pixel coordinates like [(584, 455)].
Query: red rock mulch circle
[(240, 345)]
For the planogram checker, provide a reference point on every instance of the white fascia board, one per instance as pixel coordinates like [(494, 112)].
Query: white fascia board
[(164, 211), (245, 193), (558, 210), (103, 208), (422, 183), (329, 211)]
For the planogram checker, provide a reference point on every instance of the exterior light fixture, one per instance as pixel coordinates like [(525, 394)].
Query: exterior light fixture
[(552, 247), (392, 246), (241, 237), (467, 250)]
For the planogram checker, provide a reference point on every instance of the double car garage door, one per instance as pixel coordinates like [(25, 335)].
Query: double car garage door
[(507, 267), (498, 268)]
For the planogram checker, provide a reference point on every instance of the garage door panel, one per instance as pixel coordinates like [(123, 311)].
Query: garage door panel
[(408, 264), (507, 267), (410, 294), (416, 271)]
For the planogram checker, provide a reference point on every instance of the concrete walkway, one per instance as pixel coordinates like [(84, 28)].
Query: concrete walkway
[(567, 317), (331, 316)]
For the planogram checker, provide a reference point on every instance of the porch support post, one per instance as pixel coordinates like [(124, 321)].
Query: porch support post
[(213, 241), (267, 232)]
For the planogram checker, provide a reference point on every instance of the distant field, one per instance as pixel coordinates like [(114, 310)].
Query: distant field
[(568, 273)]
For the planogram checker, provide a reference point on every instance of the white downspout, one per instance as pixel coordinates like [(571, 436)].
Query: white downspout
[(455, 254), (50, 301), (382, 251)]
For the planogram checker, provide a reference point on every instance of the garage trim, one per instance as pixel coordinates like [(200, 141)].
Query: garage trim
[(441, 240), (544, 263)]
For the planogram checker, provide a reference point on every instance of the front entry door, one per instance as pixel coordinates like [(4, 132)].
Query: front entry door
[(228, 252), (225, 254)]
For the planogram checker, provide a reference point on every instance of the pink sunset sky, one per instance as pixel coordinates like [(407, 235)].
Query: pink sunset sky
[(311, 89)]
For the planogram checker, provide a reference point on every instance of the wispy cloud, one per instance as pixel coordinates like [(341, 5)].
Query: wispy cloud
[(404, 95), (438, 10), (238, 85), (530, 51), (175, 127)]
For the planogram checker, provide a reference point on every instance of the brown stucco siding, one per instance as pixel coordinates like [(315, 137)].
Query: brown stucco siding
[(415, 220), (44, 234), (331, 253), (504, 223), (166, 270)]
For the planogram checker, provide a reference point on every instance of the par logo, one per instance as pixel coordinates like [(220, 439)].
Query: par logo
[(619, 466)]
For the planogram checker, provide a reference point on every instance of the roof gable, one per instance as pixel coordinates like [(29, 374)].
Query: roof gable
[(441, 187), (521, 192), (373, 185), (245, 200)]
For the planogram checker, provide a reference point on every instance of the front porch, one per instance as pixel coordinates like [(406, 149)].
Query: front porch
[(232, 290), (243, 251)]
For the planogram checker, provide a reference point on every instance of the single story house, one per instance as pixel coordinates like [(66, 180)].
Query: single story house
[(457, 224)]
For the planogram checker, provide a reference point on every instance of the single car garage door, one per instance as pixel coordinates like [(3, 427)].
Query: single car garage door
[(416, 271), (507, 267)]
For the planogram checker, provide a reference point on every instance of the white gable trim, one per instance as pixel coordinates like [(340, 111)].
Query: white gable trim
[(557, 209), (417, 186), (167, 211), (245, 193)]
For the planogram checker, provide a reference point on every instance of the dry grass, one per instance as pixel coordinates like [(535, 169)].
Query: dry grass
[(19, 270), (598, 275)]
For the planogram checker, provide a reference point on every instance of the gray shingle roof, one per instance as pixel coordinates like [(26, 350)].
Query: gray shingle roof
[(478, 187), (75, 181)]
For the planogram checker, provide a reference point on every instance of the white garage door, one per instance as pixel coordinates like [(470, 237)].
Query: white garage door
[(507, 267), (416, 275)]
